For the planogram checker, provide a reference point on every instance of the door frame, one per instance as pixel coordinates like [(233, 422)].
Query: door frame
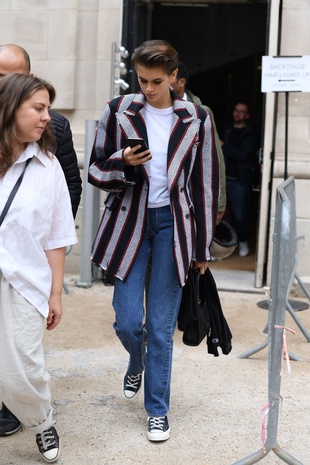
[(271, 100)]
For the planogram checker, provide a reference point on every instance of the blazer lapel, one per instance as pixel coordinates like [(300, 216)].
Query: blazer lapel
[(131, 119), (184, 135), (130, 116)]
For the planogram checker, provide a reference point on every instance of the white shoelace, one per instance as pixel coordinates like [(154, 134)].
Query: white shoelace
[(47, 439), (157, 422), (132, 381)]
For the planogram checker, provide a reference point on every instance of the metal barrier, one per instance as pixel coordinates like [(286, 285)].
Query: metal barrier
[(90, 214), (289, 188), (283, 266)]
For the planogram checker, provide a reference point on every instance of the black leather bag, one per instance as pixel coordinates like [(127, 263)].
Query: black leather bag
[(201, 314), (194, 318)]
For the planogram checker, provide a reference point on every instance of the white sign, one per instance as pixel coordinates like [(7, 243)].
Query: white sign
[(286, 74)]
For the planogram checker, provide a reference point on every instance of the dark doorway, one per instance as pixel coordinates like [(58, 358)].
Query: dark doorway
[(221, 43)]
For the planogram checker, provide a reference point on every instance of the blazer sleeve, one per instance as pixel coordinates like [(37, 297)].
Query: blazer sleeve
[(106, 167), (205, 186), (222, 197)]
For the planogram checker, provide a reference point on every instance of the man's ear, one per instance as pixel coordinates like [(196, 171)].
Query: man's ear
[(173, 75)]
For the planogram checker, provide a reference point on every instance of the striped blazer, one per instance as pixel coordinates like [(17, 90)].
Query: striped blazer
[(193, 182)]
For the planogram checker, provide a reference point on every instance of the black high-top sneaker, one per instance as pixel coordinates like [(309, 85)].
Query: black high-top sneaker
[(9, 424)]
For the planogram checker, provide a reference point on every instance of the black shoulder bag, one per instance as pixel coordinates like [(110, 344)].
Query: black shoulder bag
[(201, 314), (13, 193)]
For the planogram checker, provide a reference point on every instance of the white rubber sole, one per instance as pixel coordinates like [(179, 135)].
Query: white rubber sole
[(159, 436)]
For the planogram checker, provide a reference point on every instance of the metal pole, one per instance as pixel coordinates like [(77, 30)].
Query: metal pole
[(301, 284), (90, 214), (283, 268), (112, 83), (286, 135)]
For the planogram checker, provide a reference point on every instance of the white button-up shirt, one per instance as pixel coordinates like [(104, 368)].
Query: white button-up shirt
[(39, 218)]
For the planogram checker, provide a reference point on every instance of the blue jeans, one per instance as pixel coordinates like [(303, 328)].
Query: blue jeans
[(164, 297), (238, 196)]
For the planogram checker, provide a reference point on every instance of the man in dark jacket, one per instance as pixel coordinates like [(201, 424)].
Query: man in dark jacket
[(179, 86), (239, 148), (67, 157), (14, 59)]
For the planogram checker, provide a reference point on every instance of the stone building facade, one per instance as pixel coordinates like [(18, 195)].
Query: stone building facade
[(289, 36), (70, 44)]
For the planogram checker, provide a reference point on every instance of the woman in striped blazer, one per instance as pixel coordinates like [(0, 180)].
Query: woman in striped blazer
[(162, 202)]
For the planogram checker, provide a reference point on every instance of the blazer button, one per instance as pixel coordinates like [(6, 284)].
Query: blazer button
[(187, 216), (123, 209)]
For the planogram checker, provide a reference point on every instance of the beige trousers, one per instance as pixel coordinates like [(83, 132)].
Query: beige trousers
[(23, 380)]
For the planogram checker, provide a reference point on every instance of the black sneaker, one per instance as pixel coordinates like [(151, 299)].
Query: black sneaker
[(131, 385), (158, 429), (49, 444), (9, 424)]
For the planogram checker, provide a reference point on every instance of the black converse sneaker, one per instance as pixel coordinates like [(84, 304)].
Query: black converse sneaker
[(131, 385), (49, 444), (158, 429), (9, 424)]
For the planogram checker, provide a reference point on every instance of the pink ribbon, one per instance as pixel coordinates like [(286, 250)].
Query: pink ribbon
[(285, 353), (265, 411)]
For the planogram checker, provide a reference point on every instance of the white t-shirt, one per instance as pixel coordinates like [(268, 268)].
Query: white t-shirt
[(40, 218), (158, 124)]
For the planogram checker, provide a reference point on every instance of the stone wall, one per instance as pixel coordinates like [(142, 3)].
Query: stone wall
[(295, 39), (70, 44)]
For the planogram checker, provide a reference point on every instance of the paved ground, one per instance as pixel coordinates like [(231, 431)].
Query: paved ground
[(216, 403)]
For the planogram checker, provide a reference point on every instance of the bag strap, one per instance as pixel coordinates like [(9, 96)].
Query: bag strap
[(13, 192)]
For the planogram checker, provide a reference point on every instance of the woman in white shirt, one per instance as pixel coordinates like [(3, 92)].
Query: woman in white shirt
[(33, 236)]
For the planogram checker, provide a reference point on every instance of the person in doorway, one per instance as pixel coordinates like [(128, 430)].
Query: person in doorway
[(15, 59), (162, 201), (179, 86), (239, 142), (31, 269)]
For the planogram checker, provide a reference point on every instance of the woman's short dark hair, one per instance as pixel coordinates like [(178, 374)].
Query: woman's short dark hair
[(15, 89), (156, 54)]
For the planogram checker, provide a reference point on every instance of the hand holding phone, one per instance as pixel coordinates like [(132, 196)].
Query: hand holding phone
[(135, 158), (132, 142)]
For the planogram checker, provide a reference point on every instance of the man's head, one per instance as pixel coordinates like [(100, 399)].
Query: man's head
[(240, 114), (13, 59), (181, 79)]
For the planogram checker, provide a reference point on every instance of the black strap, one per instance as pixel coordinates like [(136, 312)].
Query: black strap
[(13, 193)]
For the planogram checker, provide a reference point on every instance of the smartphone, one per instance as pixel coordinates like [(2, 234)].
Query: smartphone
[(137, 141)]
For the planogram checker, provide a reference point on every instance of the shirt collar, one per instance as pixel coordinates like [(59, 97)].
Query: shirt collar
[(33, 150)]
